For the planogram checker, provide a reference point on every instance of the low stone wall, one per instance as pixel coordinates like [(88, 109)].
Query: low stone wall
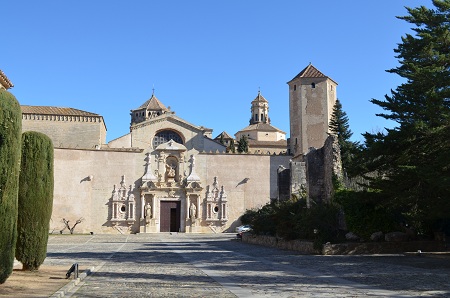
[(303, 247), (383, 247), (306, 247)]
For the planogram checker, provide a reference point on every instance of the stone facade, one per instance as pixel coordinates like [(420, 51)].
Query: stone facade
[(109, 189), (169, 175), (166, 175)]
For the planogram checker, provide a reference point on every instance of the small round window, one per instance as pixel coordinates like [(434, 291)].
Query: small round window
[(216, 209), (123, 208)]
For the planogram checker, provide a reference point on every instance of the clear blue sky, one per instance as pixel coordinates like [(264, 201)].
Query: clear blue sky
[(205, 59)]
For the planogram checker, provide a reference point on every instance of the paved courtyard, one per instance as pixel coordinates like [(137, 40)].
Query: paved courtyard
[(192, 265)]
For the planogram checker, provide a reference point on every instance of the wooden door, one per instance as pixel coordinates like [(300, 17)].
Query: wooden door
[(170, 216)]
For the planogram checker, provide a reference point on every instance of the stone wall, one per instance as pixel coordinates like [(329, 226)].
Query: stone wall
[(303, 247), (85, 181), (306, 247), (332, 166), (316, 170), (382, 247), (298, 175), (249, 180), (284, 183), (321, 166), (121, 142)]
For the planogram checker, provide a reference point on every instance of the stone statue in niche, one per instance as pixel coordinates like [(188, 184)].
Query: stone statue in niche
[(170, 171), (148, 212), (193, 211)]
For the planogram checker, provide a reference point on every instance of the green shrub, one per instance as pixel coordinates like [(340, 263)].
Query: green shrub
[(366, 212), (292, 220), (319, 223), (287, 215), (264, 220), (35, 199), (249, 216), (10, 131)]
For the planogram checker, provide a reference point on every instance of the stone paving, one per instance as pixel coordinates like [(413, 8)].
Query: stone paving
[(199, 265)]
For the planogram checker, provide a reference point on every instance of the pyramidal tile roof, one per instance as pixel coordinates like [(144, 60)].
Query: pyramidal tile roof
[(153, 104), (259, 98), (46, 110), (311, 72)]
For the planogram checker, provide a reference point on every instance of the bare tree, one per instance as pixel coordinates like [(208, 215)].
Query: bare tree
[(67, 226)]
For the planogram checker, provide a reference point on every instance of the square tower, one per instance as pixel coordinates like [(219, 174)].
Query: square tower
[(312, 96)]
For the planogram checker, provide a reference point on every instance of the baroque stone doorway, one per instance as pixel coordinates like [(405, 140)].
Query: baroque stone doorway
[(170, 216)]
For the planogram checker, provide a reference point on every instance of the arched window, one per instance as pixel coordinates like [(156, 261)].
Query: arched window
[(165, 136)]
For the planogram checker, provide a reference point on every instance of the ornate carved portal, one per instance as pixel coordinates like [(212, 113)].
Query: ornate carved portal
[(170, 200), (173, 199)]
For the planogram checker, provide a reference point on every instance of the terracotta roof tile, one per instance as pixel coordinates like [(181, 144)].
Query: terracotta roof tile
[(259, 98), (311, 72), (153, 104), (5, 81), (46, 110), (225, 135), (261, 127)]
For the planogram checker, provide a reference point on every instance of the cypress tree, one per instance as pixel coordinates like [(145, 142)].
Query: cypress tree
[(10, 131), (242, 145), (35, 199), (340, 127), (232, 147)]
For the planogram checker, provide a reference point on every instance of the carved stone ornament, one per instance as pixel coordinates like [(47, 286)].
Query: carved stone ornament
[(122, 207), (216, 204)]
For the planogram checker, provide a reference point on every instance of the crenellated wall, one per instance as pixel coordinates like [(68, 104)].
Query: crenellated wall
[(68, 131)]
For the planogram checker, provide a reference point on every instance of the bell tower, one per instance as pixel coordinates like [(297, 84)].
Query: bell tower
[(312, 96), (260, 110)]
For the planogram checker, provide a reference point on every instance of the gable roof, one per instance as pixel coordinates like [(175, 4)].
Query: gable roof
[(170, 117), (153, 104), (311, 72), (225, 135), (46, 110)]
